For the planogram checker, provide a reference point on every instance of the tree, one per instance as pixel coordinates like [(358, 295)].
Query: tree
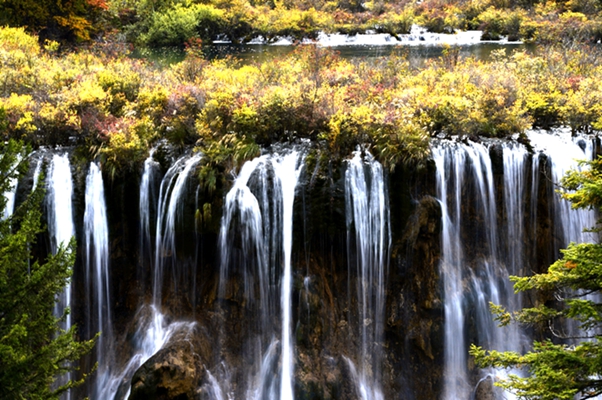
[(34, 350), (56, 18), (565, 365)]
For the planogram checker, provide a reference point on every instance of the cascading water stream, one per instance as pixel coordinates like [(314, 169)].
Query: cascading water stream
[(146, 204), (450, 175), (96, 263), (256, 239), (173, 188), (10, 195), (244, 245), (477, 252), (368, 231), (562, 154), (287, 170), (482, 245), (60, 222), (153, 330)]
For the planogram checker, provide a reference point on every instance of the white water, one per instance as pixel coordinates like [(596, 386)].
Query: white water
[(492, 249), (256, 241), (154, 330), (59, 189), (450, 175), (368, 231), (147, 202), (563, 153), (96, 263), (480, 250), (10, 194), (287, 170), (173, 189), (418, 36)]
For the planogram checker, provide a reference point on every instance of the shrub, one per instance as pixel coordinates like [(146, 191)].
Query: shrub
[(127, 142), (176, 25), (440, 18), (16, 39), (492, 23), (396, 23), (121, 83)]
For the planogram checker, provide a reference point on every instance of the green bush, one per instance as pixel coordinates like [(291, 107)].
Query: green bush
[(175, 26)]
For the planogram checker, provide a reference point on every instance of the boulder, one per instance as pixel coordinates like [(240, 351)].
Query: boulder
[(173, 373)]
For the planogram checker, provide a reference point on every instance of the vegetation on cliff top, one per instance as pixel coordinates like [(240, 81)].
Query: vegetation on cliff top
[(116, 107), (557, 370)]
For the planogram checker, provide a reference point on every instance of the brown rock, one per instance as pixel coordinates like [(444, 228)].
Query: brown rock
[(174, 373)]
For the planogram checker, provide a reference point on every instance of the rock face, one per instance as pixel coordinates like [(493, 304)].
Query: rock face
[(414, 312), (174, 373)]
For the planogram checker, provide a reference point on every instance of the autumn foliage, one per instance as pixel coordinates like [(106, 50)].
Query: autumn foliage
[(75, 19)]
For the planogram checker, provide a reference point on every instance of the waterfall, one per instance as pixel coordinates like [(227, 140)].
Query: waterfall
[(60, 216), (10, 194), (36, 173), (147, 202), (450, 162), (60, 222), (479, 250), (96, 263), (368, 233), (154, 330), (243, 242), (562, 153), (173, 188), (256, 240), (287, 170), (484, 240)]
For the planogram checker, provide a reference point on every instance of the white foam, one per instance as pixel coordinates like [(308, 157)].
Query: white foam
[(418, 36)]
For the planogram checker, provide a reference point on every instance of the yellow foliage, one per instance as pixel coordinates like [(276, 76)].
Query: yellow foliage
[(13, 39), (89, 94)]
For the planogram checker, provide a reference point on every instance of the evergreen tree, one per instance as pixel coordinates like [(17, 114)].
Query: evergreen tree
[(34, 350), (566, 365)]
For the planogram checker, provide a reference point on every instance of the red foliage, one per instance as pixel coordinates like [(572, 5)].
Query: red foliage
[(100, 4)]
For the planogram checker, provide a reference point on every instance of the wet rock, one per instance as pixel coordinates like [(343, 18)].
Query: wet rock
[(485, 390), (174, 373)]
